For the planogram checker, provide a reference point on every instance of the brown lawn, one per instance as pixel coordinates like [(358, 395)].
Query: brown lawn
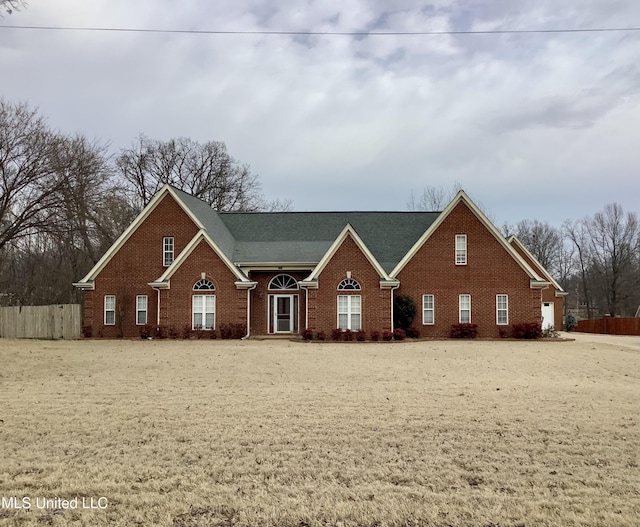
[(278, 433)]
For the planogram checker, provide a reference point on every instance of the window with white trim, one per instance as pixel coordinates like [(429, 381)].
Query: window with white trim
[(428, 310), (142, 302), (283, 281), (109, 310), (204, 312), (349, 284), (461, 249), (168, 247), (464, 303), (349, 312), (502, 310), (204, 285)]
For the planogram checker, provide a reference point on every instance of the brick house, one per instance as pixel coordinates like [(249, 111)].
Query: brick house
[(181, 264)]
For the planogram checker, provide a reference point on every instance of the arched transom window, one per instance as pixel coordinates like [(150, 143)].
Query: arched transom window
[(204, 285), (349, 284), (283, 281)]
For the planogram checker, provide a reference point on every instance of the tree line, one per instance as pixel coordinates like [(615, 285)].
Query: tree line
[(64, 199), (595, 259)]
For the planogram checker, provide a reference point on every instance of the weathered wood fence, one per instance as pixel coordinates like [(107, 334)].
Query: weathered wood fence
[(62, 321), (610, 326)]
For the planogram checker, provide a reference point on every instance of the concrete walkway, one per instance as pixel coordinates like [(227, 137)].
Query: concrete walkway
[(632, 342)]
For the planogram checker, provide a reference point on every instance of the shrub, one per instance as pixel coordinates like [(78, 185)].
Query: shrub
[(320, 336), (187, 332), (404, 311), (387, 336), (336, 334), (307, 334), (413, 332), (145, 331), (87, 332), (503, 332), (399, 334), (527, 330), (347, 335), (375, 336), (361, 336), (172, 332), (232, 331), (570, 322), (550, 333), (464, 331), (200, 333)]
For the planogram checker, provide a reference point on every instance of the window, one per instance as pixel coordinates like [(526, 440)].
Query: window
[(109, 310), (204, 312), (465, 309), (502, 310), (204, 285), (461, 249), (349, 312), (141, 309), (349, 284), (167, 244), (283, 281), (427, 309)]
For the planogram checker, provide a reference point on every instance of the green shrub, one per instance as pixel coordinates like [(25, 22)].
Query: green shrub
[(570, 322), (404, 311)]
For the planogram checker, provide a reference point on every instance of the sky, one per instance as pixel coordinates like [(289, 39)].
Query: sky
[(539, 126)]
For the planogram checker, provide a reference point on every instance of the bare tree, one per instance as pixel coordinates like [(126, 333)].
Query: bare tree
[(614, 242), (11, 5), (541, 239), (28, 181), (433, 198), (206, 171)]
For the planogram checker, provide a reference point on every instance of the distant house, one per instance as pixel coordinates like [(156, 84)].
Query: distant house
[(181, 264)]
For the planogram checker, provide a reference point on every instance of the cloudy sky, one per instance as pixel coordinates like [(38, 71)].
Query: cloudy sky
[(531, 125)]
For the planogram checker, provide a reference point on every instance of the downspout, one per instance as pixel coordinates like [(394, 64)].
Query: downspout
[(248, 312), (392, 288), (158, 315)]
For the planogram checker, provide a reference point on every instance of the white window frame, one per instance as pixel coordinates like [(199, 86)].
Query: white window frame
[(426, 310), (504, 310), (142, 309), (461, 249), (352, 310), (465, 308), (109, 307), (204, 311), (168, 248)]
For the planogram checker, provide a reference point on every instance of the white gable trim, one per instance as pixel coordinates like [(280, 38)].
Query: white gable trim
[(182, 257), (106, 258), (347, 231), (461, 196), (513, 239)]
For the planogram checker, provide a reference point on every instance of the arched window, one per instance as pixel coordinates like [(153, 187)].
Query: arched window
[(283, 281), (349, 284), (204, 285)]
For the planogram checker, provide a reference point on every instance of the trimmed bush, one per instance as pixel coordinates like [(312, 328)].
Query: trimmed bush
[(336, 335), (320, 336), (464, 331), (527, 330), (375, 336), (361, 336), (387, 336), (347, 335), (413, 332), (146, 331), (503, 332), (232, 331), (307, 334), (399, 334)]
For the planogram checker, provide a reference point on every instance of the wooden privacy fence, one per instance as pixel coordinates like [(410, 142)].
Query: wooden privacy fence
[(610, 326), (62, 321)]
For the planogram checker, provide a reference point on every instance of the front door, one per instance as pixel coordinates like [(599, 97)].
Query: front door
[(283, 313)]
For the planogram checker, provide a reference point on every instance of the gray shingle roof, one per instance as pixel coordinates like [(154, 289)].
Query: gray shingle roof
[(304, 237)]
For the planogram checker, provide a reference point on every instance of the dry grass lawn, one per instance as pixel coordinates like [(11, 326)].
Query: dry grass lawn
[(278, 433)]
